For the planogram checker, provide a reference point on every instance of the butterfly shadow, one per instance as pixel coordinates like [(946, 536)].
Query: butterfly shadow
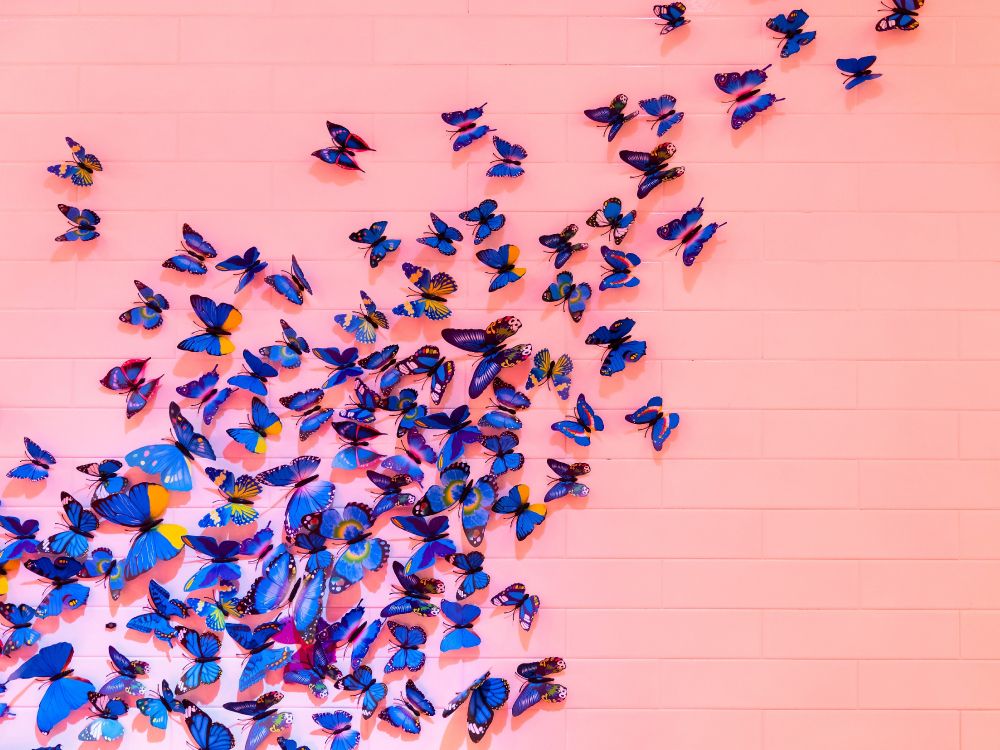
[(672, 38), (459, 656), (866, 92), (236, 455), (140, 724), (23, 488), (329, 173), (80, 250), (692, 273)]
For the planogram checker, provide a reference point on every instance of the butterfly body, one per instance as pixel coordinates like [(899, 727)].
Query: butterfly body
[(346, 146), (84, 224)]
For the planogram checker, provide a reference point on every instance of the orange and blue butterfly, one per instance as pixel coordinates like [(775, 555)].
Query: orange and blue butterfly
[(84, 223), (263, 424), (525, 515), (431, 293), (503, 264), (218, 320), (81, 170), (142, 507), (149, 312), (655, 422)]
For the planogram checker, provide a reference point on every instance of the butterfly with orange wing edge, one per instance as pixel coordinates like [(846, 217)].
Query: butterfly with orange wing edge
[(261, 717), (466, 131), (610, 217), (620, 347), (538, 684), (653, 166), (248, 265), (523, 606), (525, 516), (218, 320), (406, 713), (565, 480), (128, 378), (490, 348), (210, 398), (612, 117), (81, 170), (485, 695), (195, 250), (654, 421), (619, 271), (508, 159), (561, 246), (346, 145), (84, 224), (441, 236), (579, 427), (413, 594), (290, 284), (364, 324), (377, 245), (672, 15), (690, 233), (288, 351), (431, 292), (503, 264), (571, 295), (149, 312)]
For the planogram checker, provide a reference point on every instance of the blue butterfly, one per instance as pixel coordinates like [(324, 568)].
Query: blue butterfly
[(355, 438), (472, 577), (126, 675), (377, 245), (538, 684), (526, 516), (619, 345), (345, 146), (690, 233), (489, 346), (249, 265), (565, 482), (579, 427), (288, 352), (204, 668), (503, 261), (485, 218), (387, 492), (619, 270), (524, 606), (218, 320), (475, 499), (209, 397), (610, 216), (65, 592), (504, 457), (312, 414), (80, 527), (364, 405), (149, 312), (612, 117), (20, 633), (466, 130), (307, 494), (64, 693), (407, 410), (159, 708), (745, 87), (102, 564), (558, 372), (262, 718), (141, 507), (291, 285), (662, 114), (170, 460), (654, 167), (343, 364), (365, 640), (440, 236), (672, 15), (857, 70), (432, 534), (337, 724), (263, 424), (383, 362), (207, 733), (81, 170), (406, 654), (508, 402), (22, 538), (366, 687), (253, 377), (105, 724), (485, 695), (561, 246), (106, 480), (415, 594), (406, 714), (655, 421), (430, 292), (360, 551), (428, 363), (157, 620), (458, 429), (311, 666), (270, 590), (416, 451), (223, 562), (365, 323), (903, 16), (194, 251), (790, 27), (128, 378), (35, 467), (508, 159), (238, 494), (571, 295)]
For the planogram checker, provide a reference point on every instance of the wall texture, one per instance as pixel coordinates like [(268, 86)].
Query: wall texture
[(813, 561)]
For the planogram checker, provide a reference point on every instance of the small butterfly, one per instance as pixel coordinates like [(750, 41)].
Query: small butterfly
[(387, 492), (312, 414), (619, 345), (793, 38), (428, 363), (366, 688), (654, 167), (466, 130), (364, 403), (857, 70), (746, 88), (654, 421), (254, 376), (610, 216), (619, 269), (661, 113), (489, 346), (104, 724), (508, 159), (263, 424), (81, 170), (690, 233), (346, 145), (128, 378), (343, 364), (377, 245), (672, 15), (262, 718), (194, 251), (902, 16), (105, 478), (406, 713), (611, 116), (525, 516), (248, 265), (485, 218), (158, 709), (415, 594), (579, 427), (365, 323), (383, 362), (416, 451), (35, 467), (84, 223), (126, 675), (459, 633), (288, 351), (553, 372), (149, 312), (538, 684), (504, 457), (337, 725), (503, 261), (290, 284), (509, 402), (237, 493), (441, 236), (572, 296), (162, 609), (561, 247), (485, 695), (218, 320), (102, 564), (471, 576), (565, 482), (209, 397), (524, 606), (431, 292), (20, 633)]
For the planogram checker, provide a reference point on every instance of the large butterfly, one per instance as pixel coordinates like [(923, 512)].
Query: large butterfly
[(288, 351), (793, 38), (141, 507), (307, 492), (579, 427), (414, 594), (485, 219), (618, 344), (207, 733), (902, 16), (248, 265), (441, 236), (488, 345), (503, 262), (263, 424), (149, 312), (554, 372), (261, 716), (406, 713), (194, 251), (219, 320), (612, 117), (525, 516), (210, 398), (162, 609), (523, 606), (203, 650), (654, 421), (619, 271), (64, 692), (105, 479), (561, 246), (126, 675), (610, 217), (366, 688), (290, 284), (128, 378), (456, 488), (81, 170), (346, 146), (311, 413), (538, 684), (653, 166), (672, 15), (508, 402), (35, 467), (471, 576), (571, 295), (508, 159), (337, 726), (428, 363), (565, 482), (745, 87), (80, 527), (377, 245), (431, 292), (857, 70), (466, 130), (159, 708), (406, 653), (365, 323), (485, 696), (661, 113), (276, 584), (84, 224), (689, 232), (170, 460)]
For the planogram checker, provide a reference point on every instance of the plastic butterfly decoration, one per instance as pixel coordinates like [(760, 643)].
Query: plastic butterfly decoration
[(290, 284), (472, 577), (383, 363), (414, 594), (508, 401), (406, 713), (748, 102), (149, 312), (538, 684), (105, 724), (387, 492), (170, 460), (790, 27), (65, 592), (263, 424), (20, 633), (523, 606), (223, 557), (105, 479), (690, 233), (364, 403), (653, 166), (416, 452), (253, 377), (21, 535), (128, 378), (81, 170), (287, 352), (311, 413), (407, 410), (565, 482), (485, 696), (195, 250), (619, 269), (210, 399), (556, 373), (207, 733), (262, 718), (857, 70), (489, 345), (441, 236), (460, 634), (485, 218), (79, 530), (377, 245), (612, 117), (572, 296), (84, 224), (672, 15), (141, 507), (218, 320), (431, 292), (360, 552), (662, 114), (508, 159), (902, 16), (501, 448), (406, 654), (127, 674), (561, 246), (248, 265), (654, 421), (307, 492), (610, 217), (64, 692), (342, 363), (366, 688), (103, 565), (620, 348), (312, 665), (525, 516), (503, 262), (273, 587), (579, 427), (159, 708), (35, 467), (346, 145), (337, 726), (474, 498), (356, 438), (365, 323), (428, 363), (466, 130), (162, 610), (203, 650)]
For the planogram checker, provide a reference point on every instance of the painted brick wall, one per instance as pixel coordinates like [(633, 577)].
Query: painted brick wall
[(814, 560)]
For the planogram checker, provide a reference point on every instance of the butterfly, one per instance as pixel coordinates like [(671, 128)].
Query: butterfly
[(364, 686), (312, 414), (269, 591), (525, 515), (365, 323), (472, 577), (485, 696), (170, 460), (141, 507), (504, 457), (207, 733), (223, 557), (84, 224), (64, 692), (415, 594), (81, 170), (857, 70), (565, 482), (556, 372), (610, 216), (571, 295), (672, 15), (254, 376), (503, 261), (346, 145), (378, 245), (431, 294), (194, 251), (238, 494), (128, 378), (460, 633), (219, 320), (35, 467), (406, 714), (902, 16), (343, 364), (106, 480), (440, 236), (456, 488), (459, 432), (105, 724), (523, 605), (790, 27), (383, 362), (355, 454), (654, 421), (654, 167), (263, 424), (126, 675), (161, 610), (692, 235), (290, 284), (432, 534), (561, 246), (159, 708), (209, 397), (538, 684), (364, 403), (407, 409), (20, 633), (466, 130), (337, 725), (416, 451), (406, 654), (387, 492), (203, 668), (288, 351), (149, 312), (263, 719), (579, 427), (428, 363), (352, 629), (508, 403), (746, 88), (102, 564), (612, 117), (508, 159), (360, 551), (80, 527), (619, 269), (485, 218), (488, 344), (248, 265), (22, 538), (308, 493), (311, 665), (619, 345), (661, 112)]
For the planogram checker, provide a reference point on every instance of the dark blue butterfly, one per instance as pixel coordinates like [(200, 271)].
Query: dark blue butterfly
[(106, 480), (161, 610), (571, 295), (65, 590), (288, 352), (745, 87), (35, 467), (387, 492), (21, 534), (610, 217), (459, 633), (360, 552), (612, 117), (377, 245), (307, 492), (207, 733), (459, 432), (275, 585), (415, 594), (204, 668), (565, 481), (619, 345), (366, 687), (857, 70), (503, 261), (337, 725), (406, 714), (508, 159), (471, 576), (194, 251), (263, 424), (343, 364), (525, 515), (485, 696), (218, 320), (485, 218), (538, 684), (84, 224), (524, 606), (672, 15), (159, 708), (312, 665), (441, 236), (209, 397), (254, 375), (502, 446), (407, 654), (248, 265), (80, 527), (345, 147), (355, 438), (619, 270), (364, 404), (127, 672), (508, 402), (654, 421), (286, 743), (432, 533), (261, 718), (661, 112), (561, 246), (311, 413), (466, 130), (416, 451), (653, 165), (20, 633), (290, 284), (223, 557), (579, 427), (64, 694), (149, 312), (489, 346), (383, 361), (790, 27), (902, 16), (428, 363), (689, 232)]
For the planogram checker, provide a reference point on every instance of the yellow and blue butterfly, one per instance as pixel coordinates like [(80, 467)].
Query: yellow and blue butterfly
[(218, 320), (238, 495), (555, 372), (365, 323), (81, 170), (525, 515), (431, 292), (142, 507), (263, 424)]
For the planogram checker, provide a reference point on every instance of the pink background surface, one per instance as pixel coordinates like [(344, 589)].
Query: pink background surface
[(813, 561)]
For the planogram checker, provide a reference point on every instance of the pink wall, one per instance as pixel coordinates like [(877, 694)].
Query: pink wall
[(813, 562)]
